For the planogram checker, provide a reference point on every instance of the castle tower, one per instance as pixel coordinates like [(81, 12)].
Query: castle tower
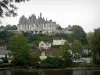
[(46, 19), (40, 15)]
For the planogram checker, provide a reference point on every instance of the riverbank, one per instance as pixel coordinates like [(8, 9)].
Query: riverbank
[(39, 69)]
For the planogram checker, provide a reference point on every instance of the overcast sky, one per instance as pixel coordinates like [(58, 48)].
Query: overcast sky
[(85, 13)]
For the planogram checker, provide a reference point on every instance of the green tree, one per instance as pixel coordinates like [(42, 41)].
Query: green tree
[(9, 27), (71, 37), (43, 37), (32, 45), (66, 54), (2, 27), (59, 27), (94, 42), (31, 37), (76, 47), (79, 34), (7, 8), (14, 27), (90, 36), (18, 46), (61, 35), (5, 36)]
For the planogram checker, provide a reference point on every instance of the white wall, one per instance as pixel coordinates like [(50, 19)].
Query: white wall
[(87, 60), (59, 42), (44, 45)]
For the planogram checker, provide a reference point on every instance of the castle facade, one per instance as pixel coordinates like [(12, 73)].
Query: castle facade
[(36, 25), (40, 25)]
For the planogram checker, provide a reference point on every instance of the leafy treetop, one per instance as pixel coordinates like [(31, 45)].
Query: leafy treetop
[(7, 8)]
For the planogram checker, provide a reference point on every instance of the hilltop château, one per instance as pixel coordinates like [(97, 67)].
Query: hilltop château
[(39, 25)]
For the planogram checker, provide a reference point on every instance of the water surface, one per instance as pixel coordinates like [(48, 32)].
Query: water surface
[(51, 72)]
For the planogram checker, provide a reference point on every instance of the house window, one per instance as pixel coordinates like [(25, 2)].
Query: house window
[(41, 44)]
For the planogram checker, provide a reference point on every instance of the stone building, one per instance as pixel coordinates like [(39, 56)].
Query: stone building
[(36, 25)]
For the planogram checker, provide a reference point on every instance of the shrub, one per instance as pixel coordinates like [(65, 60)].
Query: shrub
[(88, 65), (56, 46), (83, 64), (52, 62), (15, 62), (5, 65), (34, 60)]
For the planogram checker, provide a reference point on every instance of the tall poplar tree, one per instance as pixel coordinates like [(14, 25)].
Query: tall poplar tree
[(66, 54)]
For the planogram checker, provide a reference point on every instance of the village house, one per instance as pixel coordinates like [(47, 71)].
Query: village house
[(44, 45), (47, 45), (58, 41), (3, 49), (49, 49)]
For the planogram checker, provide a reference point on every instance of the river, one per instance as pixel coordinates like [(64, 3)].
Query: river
[(51, 72)]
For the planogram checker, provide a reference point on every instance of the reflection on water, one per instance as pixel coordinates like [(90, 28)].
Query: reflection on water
[(52, 72), (6, 72), (82, 72)]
